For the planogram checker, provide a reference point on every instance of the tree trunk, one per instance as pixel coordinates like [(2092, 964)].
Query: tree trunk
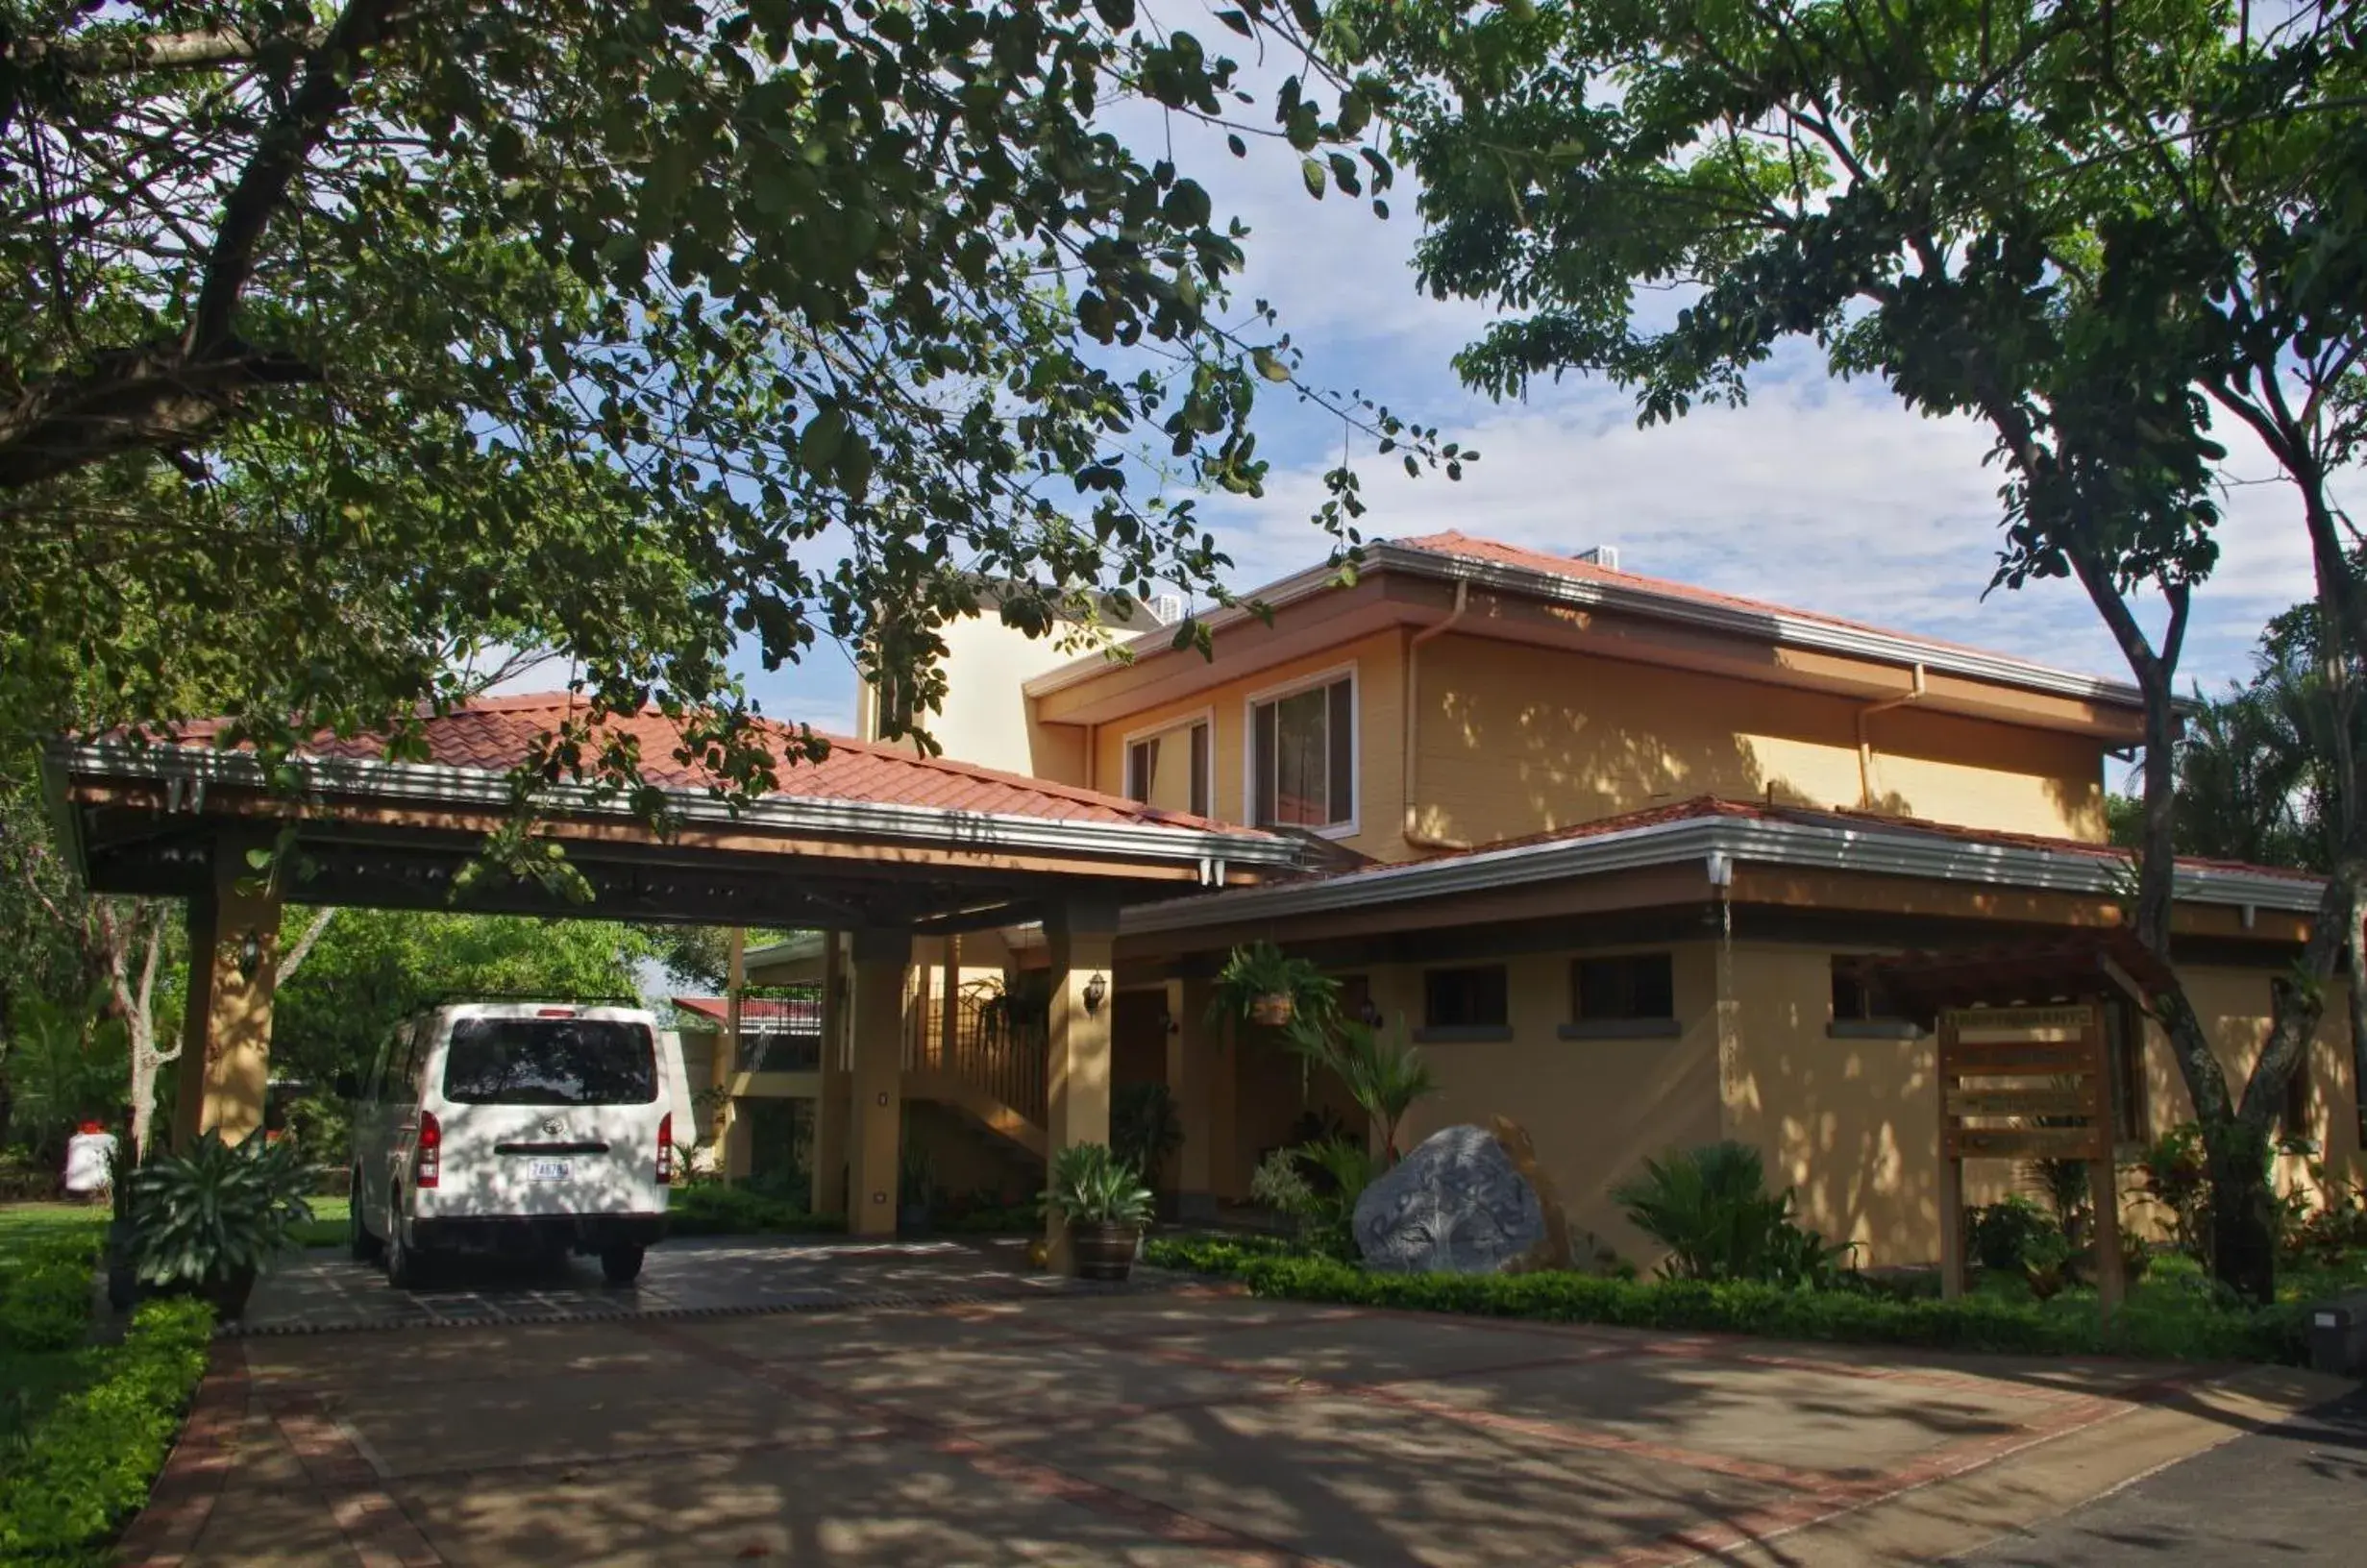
[(2243, 1209)]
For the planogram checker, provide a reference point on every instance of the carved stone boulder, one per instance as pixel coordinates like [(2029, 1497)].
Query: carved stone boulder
[(1458, 1204)]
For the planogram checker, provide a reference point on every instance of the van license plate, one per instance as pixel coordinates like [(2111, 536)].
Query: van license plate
[(545, 1170)]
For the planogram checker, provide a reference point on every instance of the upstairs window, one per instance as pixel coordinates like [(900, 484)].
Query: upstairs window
[(1170, 770), (1302, 757)]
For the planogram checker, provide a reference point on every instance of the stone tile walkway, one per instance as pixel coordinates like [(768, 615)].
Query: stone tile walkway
[(694, 1276), (1185, 1425)]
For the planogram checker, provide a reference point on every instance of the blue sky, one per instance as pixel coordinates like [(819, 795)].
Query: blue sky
[(1821, 494)]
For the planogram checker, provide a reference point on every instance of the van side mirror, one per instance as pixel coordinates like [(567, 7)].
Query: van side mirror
[(348, 1086)]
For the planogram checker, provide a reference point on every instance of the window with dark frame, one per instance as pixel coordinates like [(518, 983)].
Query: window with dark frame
[(1153, 762), (2293, 1122), (1478, 997), (1626, 989), (1858, 999), (1303, 758)]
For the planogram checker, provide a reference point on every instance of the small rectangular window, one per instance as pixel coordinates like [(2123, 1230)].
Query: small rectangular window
[(2294, 1122), (1863, 1008), (1303, 758), (1637, 986), (1472, 999)]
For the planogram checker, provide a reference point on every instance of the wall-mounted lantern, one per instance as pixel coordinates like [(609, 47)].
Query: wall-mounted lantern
[(250, 954), (1096, 991)]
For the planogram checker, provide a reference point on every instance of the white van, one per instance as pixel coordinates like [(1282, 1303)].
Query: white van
[(520, 1128)]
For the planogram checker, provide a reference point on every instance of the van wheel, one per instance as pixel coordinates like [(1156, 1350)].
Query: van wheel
[(620, 1265), (366, 1249), (405, 1268)]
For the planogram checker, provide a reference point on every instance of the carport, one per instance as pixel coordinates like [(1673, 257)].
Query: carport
[(873, 842)]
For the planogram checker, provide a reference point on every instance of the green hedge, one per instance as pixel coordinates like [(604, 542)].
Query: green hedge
[(88, 1465), (2160, 1327), (45, 1294), (709, 1210)]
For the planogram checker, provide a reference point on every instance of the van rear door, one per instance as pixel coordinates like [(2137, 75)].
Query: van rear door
[(551, 1110)]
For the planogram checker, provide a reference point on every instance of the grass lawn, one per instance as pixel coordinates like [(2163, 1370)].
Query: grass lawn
[(327, 1228)]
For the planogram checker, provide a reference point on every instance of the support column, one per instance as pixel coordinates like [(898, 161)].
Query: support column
[(874, 1120), (728, 1137), (1078, 1077), (1191, 1048), (226, 1055), (831, 1107)]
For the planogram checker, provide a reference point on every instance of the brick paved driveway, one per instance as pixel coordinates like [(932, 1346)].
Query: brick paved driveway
[(1172, 1427)]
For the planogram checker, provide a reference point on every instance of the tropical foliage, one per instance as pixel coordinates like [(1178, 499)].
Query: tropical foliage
[(1091, 1186), (219, 1212), (354, 353), (1711, 1208)]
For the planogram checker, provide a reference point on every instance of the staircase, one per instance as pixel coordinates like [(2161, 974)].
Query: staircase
[(992, 1073)]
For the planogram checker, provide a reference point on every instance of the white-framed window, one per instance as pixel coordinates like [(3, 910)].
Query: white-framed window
[(1173, 767), (1302, 754)]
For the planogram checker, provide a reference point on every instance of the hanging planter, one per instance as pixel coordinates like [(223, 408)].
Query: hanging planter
[(1260, 985), (1274, 1009)]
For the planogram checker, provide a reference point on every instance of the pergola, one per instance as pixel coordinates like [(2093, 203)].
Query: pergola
[(873, 841)]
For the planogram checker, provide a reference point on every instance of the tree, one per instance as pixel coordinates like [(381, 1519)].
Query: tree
[(2015, 212), (371, 969), (348, 348)]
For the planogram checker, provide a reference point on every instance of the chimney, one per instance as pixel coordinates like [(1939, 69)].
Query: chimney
[(1606, 557)]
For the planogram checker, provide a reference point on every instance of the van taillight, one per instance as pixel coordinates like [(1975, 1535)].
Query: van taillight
[(665, 1148), (430, 1162)]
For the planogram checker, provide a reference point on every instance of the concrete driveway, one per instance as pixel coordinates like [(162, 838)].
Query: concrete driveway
[(1167, 1427)]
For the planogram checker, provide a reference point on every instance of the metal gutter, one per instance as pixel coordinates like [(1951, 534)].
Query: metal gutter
[(1785, 630), (440, 784), (1714, 841)]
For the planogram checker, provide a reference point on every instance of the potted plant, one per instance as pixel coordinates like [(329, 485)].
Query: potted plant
[(1262, 985), (205, 1222), (1105, 1204)]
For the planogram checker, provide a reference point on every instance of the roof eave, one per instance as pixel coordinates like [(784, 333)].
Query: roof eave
[(440, 784), (1785, 630), (1709, 840)]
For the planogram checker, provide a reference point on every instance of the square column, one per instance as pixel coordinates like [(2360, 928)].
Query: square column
[(1192, 1049), (876, 1084), (831, 1108), (1078, 1077), (226, 1033)]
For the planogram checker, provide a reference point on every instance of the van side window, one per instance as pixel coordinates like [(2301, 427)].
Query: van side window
[(406, 1081)]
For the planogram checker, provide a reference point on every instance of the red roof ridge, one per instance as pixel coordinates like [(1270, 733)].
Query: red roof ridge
[(1454, 542)]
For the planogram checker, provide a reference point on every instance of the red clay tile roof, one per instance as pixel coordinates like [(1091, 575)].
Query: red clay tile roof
[(1472, 547), (496, 734), (1711, 806), (755, 1011)]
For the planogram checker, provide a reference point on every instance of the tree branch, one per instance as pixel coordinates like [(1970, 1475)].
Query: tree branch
[(117, 54), (293, 959)]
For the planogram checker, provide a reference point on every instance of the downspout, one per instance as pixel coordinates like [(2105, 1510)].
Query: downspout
[(1865, 745), (1410, 773)]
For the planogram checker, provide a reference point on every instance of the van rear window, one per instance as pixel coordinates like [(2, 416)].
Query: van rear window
[(549, 1062)]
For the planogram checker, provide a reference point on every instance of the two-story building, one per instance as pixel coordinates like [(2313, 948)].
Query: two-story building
[(1608, 847)]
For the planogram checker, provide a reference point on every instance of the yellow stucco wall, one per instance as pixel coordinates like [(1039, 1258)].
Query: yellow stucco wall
[(985, 718), (1516, 739), (1378, 662), (1853, 1123), (1596, 1108)]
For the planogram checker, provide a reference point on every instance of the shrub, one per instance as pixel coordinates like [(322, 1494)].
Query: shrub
[(45, 1295), (713, 1210), (2177, 1176), (2168, 1328), (1145, 1127), (88, 1464), (219, 1212), (1711, 1209), (1091, 1186), (1999, 1236)]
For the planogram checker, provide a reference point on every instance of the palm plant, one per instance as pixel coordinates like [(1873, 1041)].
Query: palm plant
[(1711, 1209), (1144, 1128), (1386, 1077)]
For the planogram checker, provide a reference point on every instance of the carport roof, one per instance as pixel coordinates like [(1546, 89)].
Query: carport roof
[(870, 835)]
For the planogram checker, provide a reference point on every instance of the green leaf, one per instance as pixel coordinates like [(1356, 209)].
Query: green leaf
[(1312, 174)]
